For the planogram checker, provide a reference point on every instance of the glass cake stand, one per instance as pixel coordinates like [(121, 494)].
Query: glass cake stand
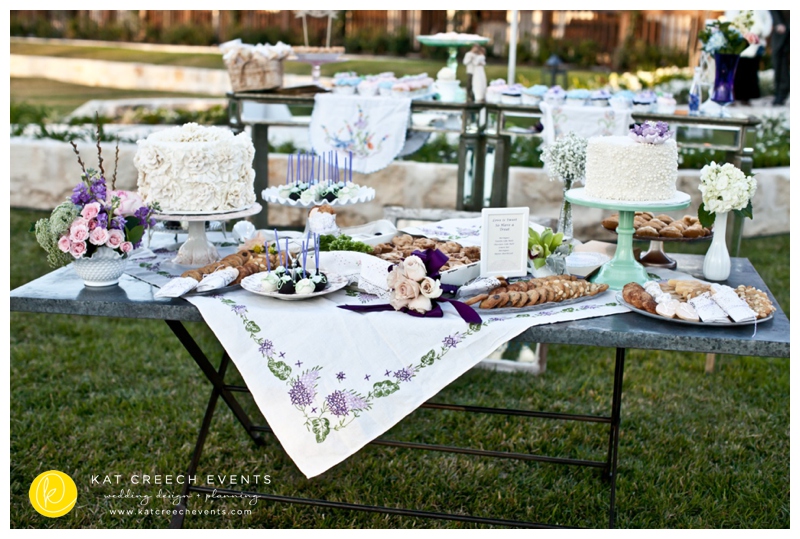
[(197, 250), (623, 268), (452, 47), (317, 59)]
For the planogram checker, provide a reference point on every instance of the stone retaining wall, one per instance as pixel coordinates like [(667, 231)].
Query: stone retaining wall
[(43, 173), (132, 75)]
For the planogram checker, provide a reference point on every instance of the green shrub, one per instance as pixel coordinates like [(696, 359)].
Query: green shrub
[(188, 34)]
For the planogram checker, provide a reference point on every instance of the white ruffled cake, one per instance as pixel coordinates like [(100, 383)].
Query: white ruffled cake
[(196, 169), (621, 168)]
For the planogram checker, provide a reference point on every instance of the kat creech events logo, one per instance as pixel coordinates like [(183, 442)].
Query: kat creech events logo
[(53, 494)]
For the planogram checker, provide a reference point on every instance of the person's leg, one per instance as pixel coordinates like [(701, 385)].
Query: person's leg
[(781, 66)]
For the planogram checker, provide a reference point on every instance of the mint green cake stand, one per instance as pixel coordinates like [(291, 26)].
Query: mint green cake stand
[(623, 268)]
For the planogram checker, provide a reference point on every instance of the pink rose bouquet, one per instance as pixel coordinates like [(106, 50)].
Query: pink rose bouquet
[(94, 217)]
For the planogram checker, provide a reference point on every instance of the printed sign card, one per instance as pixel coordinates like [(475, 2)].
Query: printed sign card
[(504, 242)]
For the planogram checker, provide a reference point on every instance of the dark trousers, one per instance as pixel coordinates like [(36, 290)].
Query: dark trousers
[(745, 81), (780, 62)]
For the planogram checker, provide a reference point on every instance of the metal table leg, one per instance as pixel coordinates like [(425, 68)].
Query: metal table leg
[(610, 473), (177, 519)]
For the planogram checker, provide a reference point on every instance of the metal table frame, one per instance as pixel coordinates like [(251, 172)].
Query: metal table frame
[(61, 292)]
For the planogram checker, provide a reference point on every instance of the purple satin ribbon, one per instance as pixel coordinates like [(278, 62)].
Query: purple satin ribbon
[(466, 312)]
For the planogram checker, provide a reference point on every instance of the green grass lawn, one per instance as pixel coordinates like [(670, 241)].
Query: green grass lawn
[(112, 396), (63, 97), (364, 66)]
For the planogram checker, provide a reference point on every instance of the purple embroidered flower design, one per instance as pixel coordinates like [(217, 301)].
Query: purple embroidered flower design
[(366, 377), (265, 348), (299, 363), (337, 402), (468, 231), (404, 375), (355, 402), (451, 341), (304, 389), (239, 309), (340, 376), (300, 394), (387, 373)]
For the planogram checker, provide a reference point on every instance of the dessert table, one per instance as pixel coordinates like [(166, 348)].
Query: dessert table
[(62, 292)]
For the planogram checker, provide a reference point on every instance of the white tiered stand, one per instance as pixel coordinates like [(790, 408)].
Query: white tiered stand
[(197, 250)]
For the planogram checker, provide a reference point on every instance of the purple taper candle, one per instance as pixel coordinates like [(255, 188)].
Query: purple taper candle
[(312, 167), (266, 250), (277, 245), (288, 261), (351, 166), (305, 253), (336, 174), (316, 252)]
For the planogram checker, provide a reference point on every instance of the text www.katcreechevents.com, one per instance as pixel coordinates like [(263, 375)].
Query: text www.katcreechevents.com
[(172, 512)]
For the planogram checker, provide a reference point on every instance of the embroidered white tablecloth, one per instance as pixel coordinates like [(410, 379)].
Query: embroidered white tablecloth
[(329, 381), (583, 120), (373, 128)]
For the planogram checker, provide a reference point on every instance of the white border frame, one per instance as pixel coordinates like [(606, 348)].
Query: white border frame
[(522, 269)]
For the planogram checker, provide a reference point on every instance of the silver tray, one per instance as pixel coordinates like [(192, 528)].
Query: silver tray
[(533, 308), (687, 322)]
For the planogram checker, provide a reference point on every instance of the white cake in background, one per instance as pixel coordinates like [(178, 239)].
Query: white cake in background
[(620, 168), (196, 169)]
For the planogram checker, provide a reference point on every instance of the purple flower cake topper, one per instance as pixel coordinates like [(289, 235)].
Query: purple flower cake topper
[(650, 132)]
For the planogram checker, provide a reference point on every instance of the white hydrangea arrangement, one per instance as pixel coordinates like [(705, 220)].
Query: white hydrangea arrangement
[(725, 188), (566, 157)]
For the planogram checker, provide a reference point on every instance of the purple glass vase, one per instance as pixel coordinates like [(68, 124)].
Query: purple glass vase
[(723, 80)]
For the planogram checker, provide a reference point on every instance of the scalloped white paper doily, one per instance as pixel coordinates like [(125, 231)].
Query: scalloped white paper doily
[(270, 194)]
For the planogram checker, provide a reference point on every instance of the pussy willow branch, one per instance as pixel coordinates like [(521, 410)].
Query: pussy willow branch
[(75, 149), (116, 161), (99, 151)]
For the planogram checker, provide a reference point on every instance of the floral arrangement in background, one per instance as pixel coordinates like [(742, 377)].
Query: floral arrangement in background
[(566, 157), (725, 188), (94, 217), (728, 37)]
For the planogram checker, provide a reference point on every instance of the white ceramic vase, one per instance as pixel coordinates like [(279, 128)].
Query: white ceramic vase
[(103, 268), (717, 263)]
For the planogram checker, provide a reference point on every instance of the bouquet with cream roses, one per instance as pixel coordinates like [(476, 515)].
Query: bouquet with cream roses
[(416, 289), (725, 188), (411, 287)]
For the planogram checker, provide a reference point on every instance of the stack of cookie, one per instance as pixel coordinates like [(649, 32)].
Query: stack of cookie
[(551, 289), (404, 245), (647, 226)]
